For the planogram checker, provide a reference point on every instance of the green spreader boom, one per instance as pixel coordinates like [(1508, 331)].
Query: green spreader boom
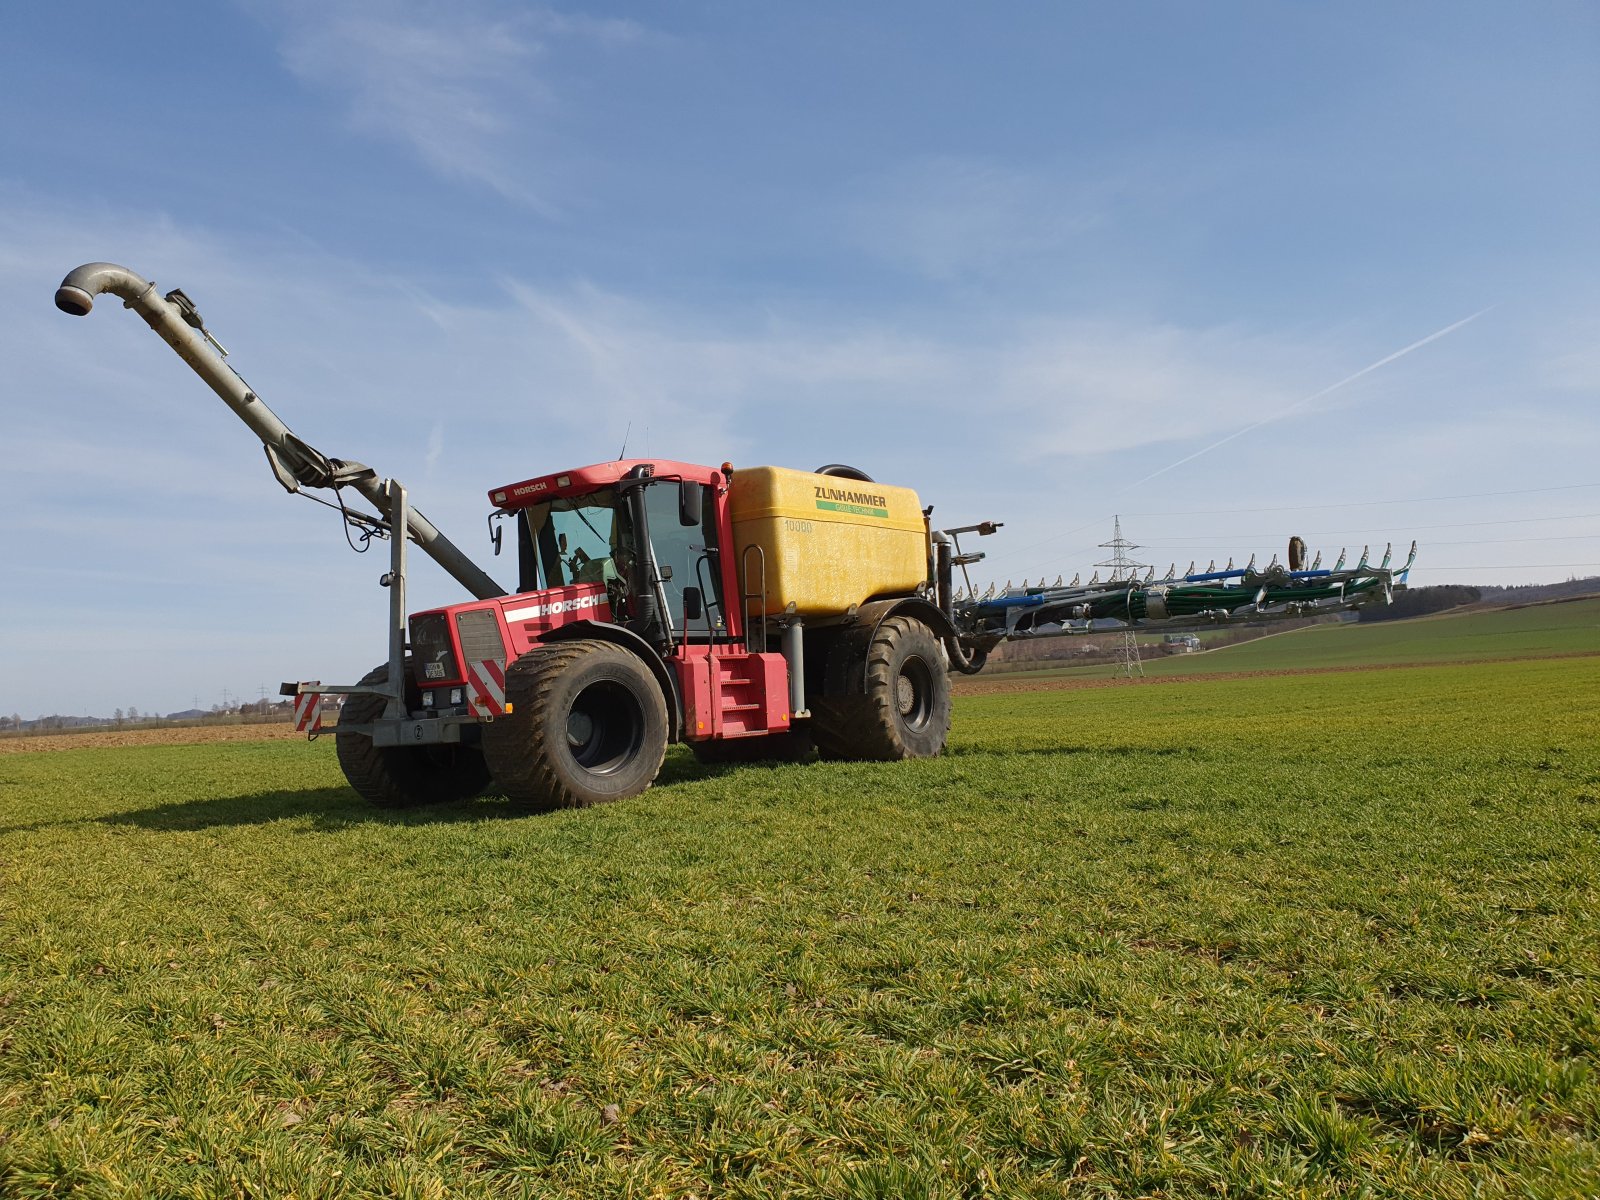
[(1193, 600)]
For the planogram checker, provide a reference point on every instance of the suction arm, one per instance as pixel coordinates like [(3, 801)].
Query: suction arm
[(295, 463)]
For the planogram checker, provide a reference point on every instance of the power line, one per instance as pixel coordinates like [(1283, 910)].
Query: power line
[(1572, 537), (1220, 512), (1364, 532), (1509, 567)]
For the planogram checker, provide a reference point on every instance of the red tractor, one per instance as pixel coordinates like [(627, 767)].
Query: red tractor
[(758, 613), (751, 613)]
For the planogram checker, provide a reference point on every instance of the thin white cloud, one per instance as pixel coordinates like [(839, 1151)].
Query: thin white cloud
[(435, 447), (945, 216), (1571, 357), (1095, 387), (677, 368), (458, 84), (953, 219)]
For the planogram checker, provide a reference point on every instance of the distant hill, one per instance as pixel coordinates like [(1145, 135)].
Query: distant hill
[(1532, 593), (1473, 634), (1419, 602)]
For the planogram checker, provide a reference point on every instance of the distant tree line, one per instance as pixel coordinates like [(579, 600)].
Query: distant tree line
[(255, 712), (1418, 602), (1531, 593)]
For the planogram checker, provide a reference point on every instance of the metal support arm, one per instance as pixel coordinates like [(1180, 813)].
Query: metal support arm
[(295, 463)]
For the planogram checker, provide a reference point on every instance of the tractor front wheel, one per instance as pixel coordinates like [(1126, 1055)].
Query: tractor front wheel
[(588, 724), (905, 709), (403, 776)]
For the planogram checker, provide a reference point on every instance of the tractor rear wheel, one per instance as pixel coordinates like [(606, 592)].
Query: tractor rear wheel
[(403, 776), (588, 724), (905, 710)]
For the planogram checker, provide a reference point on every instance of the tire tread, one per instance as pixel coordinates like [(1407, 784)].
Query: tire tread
[(866, 726), (519, 746), (401, 776)]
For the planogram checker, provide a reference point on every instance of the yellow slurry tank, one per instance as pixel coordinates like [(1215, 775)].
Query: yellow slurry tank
[(827, 542)]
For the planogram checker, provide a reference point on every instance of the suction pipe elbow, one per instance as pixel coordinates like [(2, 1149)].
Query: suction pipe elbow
[(76, 294)]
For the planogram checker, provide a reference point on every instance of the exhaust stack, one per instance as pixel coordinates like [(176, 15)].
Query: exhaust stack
[(295, 463)]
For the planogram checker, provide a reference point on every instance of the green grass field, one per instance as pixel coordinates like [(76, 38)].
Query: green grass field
[(1537, 631), (1299, 936)]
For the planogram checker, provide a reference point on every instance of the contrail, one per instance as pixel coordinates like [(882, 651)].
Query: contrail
[(1238, 433), (1332, 387)]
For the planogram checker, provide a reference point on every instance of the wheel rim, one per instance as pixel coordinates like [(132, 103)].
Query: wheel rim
[(913, 691), (605, 728)]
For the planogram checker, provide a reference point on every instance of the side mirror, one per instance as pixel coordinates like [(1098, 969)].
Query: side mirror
[(561, 542), (693, 607), (691, 502)]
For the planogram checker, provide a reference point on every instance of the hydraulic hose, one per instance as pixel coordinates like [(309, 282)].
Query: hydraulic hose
[(967, 664)]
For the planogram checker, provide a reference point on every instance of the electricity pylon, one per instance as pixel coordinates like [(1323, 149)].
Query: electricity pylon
[(1123, 567)]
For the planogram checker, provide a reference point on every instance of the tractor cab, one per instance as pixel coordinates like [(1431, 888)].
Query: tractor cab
[(628, 551), (650, 535)]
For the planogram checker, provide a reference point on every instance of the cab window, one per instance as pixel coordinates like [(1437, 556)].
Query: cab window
[(576, 540)]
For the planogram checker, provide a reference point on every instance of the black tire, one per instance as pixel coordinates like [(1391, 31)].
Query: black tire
[(844, 471), (905, 712), (588, 725), (793, 747), (404, 776)]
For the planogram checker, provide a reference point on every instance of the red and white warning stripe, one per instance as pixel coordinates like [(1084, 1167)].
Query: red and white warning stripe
[(308, 712), (486, 688)]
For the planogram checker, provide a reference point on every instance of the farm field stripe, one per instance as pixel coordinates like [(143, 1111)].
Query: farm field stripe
[(1018, 681)]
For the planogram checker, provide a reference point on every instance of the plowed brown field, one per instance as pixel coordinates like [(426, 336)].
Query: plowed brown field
[(178, 735)]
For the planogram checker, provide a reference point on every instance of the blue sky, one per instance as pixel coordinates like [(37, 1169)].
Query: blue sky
[(1022, 258)]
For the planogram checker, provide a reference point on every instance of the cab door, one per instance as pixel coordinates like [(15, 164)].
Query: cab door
[(683, 538)]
